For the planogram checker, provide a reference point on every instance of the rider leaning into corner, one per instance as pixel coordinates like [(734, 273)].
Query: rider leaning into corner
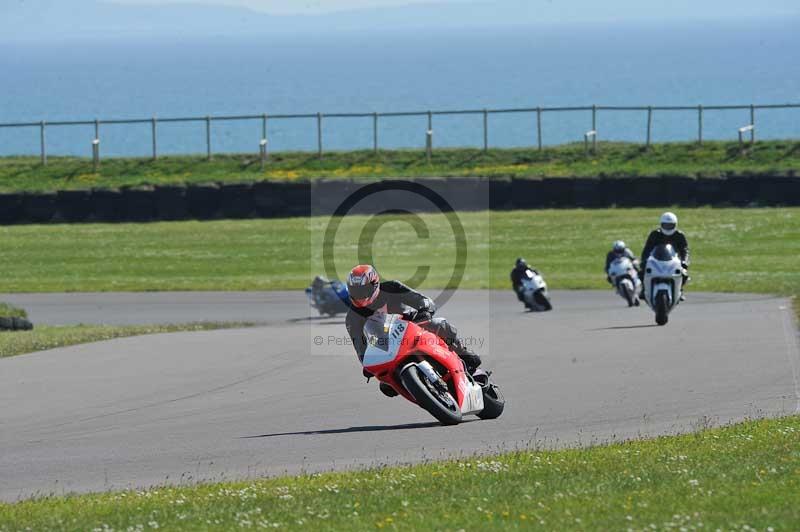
[(519, 273), (668, 234), (618, 251), (369, 295)]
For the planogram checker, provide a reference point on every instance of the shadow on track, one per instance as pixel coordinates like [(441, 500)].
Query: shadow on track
[(622, 327), (324, 320), (367, 428)]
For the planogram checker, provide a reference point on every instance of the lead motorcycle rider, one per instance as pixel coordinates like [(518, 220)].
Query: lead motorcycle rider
[(369, 295), (668, 234)]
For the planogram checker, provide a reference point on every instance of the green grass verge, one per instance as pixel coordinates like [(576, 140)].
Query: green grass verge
[(745, 250), (10, 311), (49, 337), (742, 477), (612, 159)]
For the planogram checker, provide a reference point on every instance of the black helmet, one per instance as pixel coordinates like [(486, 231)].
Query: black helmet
[(521, 263)]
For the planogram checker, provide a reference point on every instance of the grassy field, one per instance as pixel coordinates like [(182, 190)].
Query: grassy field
[(612, 159), (49, 337), (10, 311), (753, 250), (742, 477)]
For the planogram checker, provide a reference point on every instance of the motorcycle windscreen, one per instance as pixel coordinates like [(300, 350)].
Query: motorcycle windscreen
[(664, 253), (384, 334)]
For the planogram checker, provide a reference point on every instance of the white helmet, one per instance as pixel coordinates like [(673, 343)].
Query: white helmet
[(619, 246), (669, 223)]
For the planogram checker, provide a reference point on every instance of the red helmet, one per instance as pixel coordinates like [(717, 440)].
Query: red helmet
[(363, 284)]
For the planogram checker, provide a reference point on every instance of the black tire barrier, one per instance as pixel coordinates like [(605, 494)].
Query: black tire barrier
[(74, 205), (108, 205), (710, 191), (237, 201), (10, 208), (15, 324), (171, 203), (526, 194), (500, 196), (286, 199), (140, 204), (204, 201), (39, 207), (679, 190)]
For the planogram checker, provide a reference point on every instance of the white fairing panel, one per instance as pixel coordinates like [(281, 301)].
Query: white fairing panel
[(473, 397), (660, 272), (384, 334)]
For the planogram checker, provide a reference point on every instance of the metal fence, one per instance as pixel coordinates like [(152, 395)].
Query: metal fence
[(593, 131)]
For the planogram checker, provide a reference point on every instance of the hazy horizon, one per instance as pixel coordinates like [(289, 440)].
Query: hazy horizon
[(55, 20)]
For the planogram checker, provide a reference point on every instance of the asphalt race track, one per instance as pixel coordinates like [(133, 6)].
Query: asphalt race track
[(184, 407)]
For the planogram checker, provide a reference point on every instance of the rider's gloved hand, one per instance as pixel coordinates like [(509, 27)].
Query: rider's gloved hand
[(410, 315), (684, 265), (366, 374), (428, 306)]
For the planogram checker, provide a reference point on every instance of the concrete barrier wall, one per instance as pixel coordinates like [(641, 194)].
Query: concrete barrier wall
[(274, 199)]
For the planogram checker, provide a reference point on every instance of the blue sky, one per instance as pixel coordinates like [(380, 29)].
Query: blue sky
[(621, 9)]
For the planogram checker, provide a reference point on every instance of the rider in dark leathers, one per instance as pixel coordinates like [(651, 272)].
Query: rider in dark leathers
[(394, 297), (519, 273), (668, 233)]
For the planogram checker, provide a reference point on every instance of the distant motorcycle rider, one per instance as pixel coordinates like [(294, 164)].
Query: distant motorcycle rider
[(618, 251), (668, 233), (520, 273), (318, 284), (369, 295)]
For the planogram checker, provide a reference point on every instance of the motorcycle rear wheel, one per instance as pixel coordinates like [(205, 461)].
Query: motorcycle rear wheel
[(543, 300), (429, 398), (493, 402)]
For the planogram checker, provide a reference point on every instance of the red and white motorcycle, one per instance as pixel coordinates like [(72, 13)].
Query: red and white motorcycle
[(418, 365)]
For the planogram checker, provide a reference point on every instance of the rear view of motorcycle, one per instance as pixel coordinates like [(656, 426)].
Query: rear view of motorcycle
[(663, 281), (534, 293), (625, 279)]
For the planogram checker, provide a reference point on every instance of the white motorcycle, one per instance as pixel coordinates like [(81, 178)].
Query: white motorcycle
[(663, 281), (625, 279), (534, 293)]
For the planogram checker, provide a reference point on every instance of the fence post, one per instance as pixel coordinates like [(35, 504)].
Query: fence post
[(539, 127), (264, 126), (42, 142), (700, 125), (594, 128), (485, 130), (208, 138), (155, 138), (429, 137), (95, 154), (262, 152), (752, 123), (649, 124), (375, 132), (96, 146), (319, 135)]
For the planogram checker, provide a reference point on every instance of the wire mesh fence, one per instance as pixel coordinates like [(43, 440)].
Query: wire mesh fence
[(328, 130)]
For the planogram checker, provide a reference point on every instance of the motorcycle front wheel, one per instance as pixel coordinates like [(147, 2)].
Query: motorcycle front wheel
[(440, 405), (662, 308)]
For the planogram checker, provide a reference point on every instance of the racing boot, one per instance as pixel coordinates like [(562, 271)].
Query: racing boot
[(470, 358)]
